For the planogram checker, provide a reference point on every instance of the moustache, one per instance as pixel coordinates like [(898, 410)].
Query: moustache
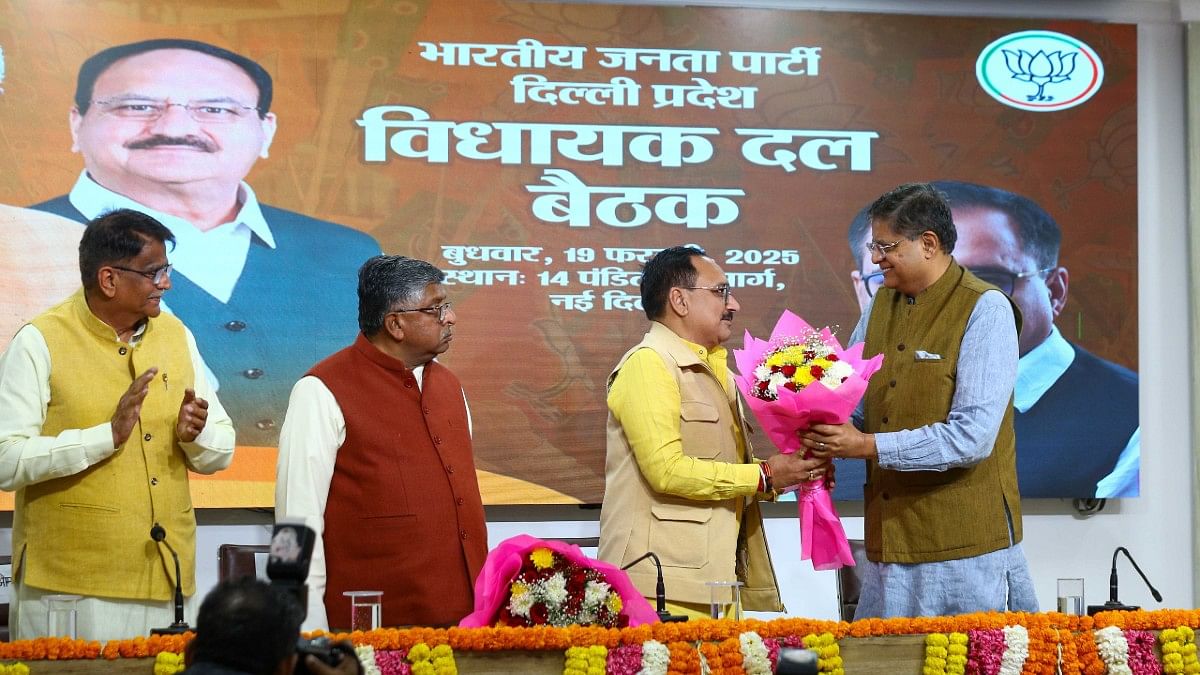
[(727, 316), (158, 140)]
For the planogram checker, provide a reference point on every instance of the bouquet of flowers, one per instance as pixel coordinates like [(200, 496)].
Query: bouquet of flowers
[(799, 377), (531, 582)]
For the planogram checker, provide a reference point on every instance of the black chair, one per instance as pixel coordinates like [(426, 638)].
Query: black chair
[(848, 581), (235, 561)]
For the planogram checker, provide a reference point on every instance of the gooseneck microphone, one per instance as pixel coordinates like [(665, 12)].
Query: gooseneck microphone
[(660, 590), (159, 534), (1113, 604)]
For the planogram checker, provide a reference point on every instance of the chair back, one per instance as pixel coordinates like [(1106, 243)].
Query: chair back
[(235, 561)]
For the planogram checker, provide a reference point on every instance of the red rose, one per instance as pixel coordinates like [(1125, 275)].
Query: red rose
[(789, 370), (538, 614), (774, 369), (833, 357), (817, 372), (790, 385)]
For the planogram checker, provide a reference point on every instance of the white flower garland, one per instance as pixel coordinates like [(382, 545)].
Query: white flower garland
[(756, 660), (655, 658), (1114, 650), (1016, 650), (366, 656)]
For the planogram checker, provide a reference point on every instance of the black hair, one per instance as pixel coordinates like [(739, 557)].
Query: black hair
[(114, 237), (669, 268), (914, 208), (99, 62), (386, 281), (246, 625), (1039, 234)]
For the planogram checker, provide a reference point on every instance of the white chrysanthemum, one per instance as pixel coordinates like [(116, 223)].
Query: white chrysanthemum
[(776, 382), (756, 659), (1016, 650), (655, 658), (835, 373), (555, 589), (518, 605), (595, 593), (762, 372), (366, 656), (1113, 649)]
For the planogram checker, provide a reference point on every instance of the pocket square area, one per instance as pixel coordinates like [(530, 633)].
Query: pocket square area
[(923, 355)]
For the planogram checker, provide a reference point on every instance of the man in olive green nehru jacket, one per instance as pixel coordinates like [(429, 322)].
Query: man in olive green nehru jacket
[(943, 515)]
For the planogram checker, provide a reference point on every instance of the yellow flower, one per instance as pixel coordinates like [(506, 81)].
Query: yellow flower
[(519, 589), (614, 603), (542, 558)]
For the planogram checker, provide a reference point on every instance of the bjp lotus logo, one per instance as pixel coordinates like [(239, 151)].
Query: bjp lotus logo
[(1039, 70)]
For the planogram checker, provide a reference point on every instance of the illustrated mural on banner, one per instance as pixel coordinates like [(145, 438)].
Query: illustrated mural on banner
[(539, 153)]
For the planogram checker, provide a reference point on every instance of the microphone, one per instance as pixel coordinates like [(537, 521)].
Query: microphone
[(660, 590), (159, 534), (1114, 605)]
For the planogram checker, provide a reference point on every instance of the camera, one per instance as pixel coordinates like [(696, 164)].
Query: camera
[(329, 653)]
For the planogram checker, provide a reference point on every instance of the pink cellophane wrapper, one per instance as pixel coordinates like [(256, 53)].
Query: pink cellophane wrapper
[(504, 563), (822, 538)]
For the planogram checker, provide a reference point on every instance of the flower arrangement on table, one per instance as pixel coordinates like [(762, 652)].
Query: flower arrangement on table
[(658, 648), (527, 582), (799, 377)]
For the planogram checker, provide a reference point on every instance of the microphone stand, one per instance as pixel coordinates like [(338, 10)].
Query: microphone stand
[(1114, 605), (159, 535), (660, 590)]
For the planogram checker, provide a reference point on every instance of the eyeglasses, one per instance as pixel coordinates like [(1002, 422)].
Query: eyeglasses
[(1000, 278), (156, 275), (146, 110), (874, 247), (440, 311), (722, 290)]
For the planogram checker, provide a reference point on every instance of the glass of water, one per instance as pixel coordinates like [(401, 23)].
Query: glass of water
[(366, 609), (62, 614), (1070, 596), (726, 599)]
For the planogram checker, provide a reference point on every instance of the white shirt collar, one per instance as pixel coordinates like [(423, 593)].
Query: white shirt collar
[(196, 253), (1038, 370), (93, 199)]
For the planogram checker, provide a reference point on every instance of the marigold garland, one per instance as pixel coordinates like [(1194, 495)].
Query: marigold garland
[(1053, 638), (936, 651), (1179, 651), (685, 659), (17, 668), (956, 660), (168, 663), (585, 660), (829, 655), (436, 661)]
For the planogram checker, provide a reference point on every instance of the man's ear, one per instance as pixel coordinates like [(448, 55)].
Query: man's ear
[(930, 243), (1057, 281), (677, 302), (106, 282), (394, 327)]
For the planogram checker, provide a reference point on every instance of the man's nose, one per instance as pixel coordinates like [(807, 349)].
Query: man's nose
[(176, 120), (732, 303)]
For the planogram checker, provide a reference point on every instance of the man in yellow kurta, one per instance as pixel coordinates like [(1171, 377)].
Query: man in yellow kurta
[(680, 477), (104, 407)]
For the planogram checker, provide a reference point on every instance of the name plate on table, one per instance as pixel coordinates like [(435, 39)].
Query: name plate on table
[(5, 582)]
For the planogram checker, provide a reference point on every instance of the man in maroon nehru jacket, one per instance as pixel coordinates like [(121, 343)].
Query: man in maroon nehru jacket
[(375, 453)]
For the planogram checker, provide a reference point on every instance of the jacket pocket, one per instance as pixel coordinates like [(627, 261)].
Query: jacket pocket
[(679, 534)]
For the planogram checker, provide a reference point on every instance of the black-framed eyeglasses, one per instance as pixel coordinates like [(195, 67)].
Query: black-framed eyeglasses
[(155, 275), (1000, 278), (722, 290), (440, 311), (882, 249), (146, 109)]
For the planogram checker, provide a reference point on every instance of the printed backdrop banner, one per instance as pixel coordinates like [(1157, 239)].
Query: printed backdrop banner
[(539, 153)]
